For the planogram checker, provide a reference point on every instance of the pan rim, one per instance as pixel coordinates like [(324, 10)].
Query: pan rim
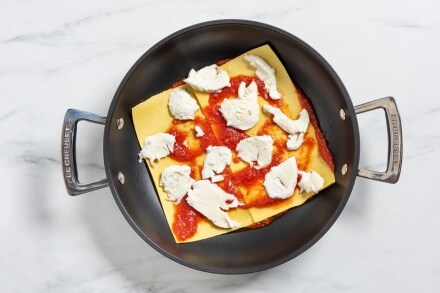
[(241, 270)]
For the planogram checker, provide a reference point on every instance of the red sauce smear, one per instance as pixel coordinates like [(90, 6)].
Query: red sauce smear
[(223, 61), (232, 91), (324, 150), (186, 220), (184, 153), (252, 179), (216, 131), (229, 136), (178, 83), (229, 184), (250, 176), (265, 222)]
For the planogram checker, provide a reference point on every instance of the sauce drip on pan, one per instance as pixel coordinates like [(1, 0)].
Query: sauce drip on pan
[(324, 151)]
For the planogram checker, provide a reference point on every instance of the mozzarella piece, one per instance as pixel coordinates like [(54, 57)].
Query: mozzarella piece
[(281, 180), (208, 79), (182, 106), (257, 148), (217, 178), (211, 201), (266, 73), (242, 112), (294, 141), (176, 181), (216, 160), (287, 124), (296, 128), (310, 182), (157, 147), (199, 131)]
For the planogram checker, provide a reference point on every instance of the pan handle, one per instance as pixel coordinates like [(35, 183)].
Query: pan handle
[(395, 147), (68, 152)]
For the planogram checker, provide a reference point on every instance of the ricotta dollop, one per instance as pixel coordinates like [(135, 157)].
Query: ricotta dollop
[(256, 149), (310, 182), (295, 128), (242, 112), (211, 201), (208, 79), (176, 181), (157, 147), (266, 73), (280, 181), (182, 106), (216, 160)]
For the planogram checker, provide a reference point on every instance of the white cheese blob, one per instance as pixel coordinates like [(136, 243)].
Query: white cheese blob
[(208, 79), (217, 178), (242, 112), (266, 73), (216, 160), (199, 131), (176, 181), (294, 141), (211, 201), (310, 182), (296, 128), (284, 122), (182, 106), (157, 147), (280, 181), (256, 149)]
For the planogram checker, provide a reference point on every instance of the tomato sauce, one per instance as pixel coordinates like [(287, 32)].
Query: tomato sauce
[(324, 150), (232, 91), (265, 222), (252, 180), (216, 131), (229, 184), (186, 150), (229, 136), (178, 83), (305, 153), (249, 175), (186, 220), (223, 61), (187, 153)]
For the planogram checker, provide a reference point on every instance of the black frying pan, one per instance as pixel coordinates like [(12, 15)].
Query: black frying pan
[(170, 60)]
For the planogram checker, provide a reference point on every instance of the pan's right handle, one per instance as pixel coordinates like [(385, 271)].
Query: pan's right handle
[(395, 148), (68, 153)]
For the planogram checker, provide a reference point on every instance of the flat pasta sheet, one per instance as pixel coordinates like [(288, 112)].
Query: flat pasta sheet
[(152, 116)]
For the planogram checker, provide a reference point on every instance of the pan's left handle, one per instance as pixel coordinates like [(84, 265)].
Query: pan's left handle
[(68, 153)]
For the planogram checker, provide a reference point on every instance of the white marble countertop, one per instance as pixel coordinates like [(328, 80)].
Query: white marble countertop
[(56, 55)]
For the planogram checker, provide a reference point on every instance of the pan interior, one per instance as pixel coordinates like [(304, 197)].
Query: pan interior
[(170, 60)]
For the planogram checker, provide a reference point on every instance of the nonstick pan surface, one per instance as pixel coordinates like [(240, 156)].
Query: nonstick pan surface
[(170, 60)]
